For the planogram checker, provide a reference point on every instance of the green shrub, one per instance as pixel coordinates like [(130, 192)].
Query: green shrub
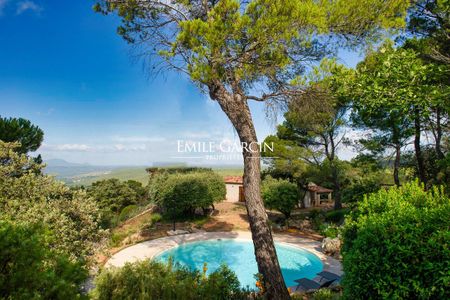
[(330, 230), (325, 294), (317, 218), (155, 218), (336, 216), (112, 194), (31, 270), (182, 193), (216, 185), (127, 212), (137, 187), (356, 191), (155, 187), (155, 280), (159, 176), (117, 237), (280, 194), (396, 245)]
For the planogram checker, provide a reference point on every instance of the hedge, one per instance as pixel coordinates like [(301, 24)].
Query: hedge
[(396, 245)]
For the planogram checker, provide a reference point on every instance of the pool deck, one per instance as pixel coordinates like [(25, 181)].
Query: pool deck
[(149, 249)]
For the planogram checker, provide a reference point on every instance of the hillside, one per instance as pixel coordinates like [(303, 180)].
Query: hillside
[(85, 174)]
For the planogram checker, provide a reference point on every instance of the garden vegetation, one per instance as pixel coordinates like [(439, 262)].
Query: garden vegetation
[(47, 231), (396, 245), (155, 280), (181, 194)]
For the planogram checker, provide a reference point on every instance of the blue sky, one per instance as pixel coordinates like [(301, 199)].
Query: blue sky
[(63, 67)]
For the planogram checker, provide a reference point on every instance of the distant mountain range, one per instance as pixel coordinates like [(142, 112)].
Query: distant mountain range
[(70, 172), (62, 163), (85, 174)]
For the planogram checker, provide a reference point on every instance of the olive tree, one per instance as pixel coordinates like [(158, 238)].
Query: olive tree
[(181, 194), (280, 194), (249, 50)]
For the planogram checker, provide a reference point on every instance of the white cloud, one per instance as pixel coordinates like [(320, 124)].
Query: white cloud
[(93, 148), (137, 139), (122, 147), (28, 5), (66, 147)]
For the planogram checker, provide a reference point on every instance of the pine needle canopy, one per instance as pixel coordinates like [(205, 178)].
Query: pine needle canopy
[(246, 43)]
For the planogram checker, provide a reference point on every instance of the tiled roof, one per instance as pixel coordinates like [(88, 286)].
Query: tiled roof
[(312, 187), (234, 179)]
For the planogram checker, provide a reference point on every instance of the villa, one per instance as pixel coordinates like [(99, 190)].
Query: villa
[(235, 188)]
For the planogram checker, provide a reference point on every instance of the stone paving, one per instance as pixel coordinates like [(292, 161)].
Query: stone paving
[(149, 249)]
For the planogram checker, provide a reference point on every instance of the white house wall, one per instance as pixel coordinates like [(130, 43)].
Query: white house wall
[(307, 199), (232, 192)]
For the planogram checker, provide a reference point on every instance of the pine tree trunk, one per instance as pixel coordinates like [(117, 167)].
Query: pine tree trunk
[(335, 173), (236, 108), (438, 148), (300, 188), (417, 148), (397, 165), (337, 190)]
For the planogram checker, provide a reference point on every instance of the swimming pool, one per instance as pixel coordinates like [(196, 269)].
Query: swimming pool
[(239, 256)]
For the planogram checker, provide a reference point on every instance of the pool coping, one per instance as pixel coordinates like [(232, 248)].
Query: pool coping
[(152, 248)]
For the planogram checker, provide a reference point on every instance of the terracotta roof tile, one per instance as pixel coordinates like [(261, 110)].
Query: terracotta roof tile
[(312, 187), (234, 179)]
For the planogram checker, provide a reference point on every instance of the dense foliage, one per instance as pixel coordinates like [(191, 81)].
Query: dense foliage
[(155, 280), (238, 51), (27, 197), (398, 96), (182, 194), (30, 269), (280, 194), (429, 20), (22, 131), (396, 245), (159, 175), (113, 196), (360, 187), (437, 170)]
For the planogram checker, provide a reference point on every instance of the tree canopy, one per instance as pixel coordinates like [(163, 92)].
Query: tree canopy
[(23, 131), (395, 92), (242, 43), (250, 50), (313, 130), (28, 197), (430, 21)]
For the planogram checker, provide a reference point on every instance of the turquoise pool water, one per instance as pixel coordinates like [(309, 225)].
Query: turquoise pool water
[(239, 256)]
